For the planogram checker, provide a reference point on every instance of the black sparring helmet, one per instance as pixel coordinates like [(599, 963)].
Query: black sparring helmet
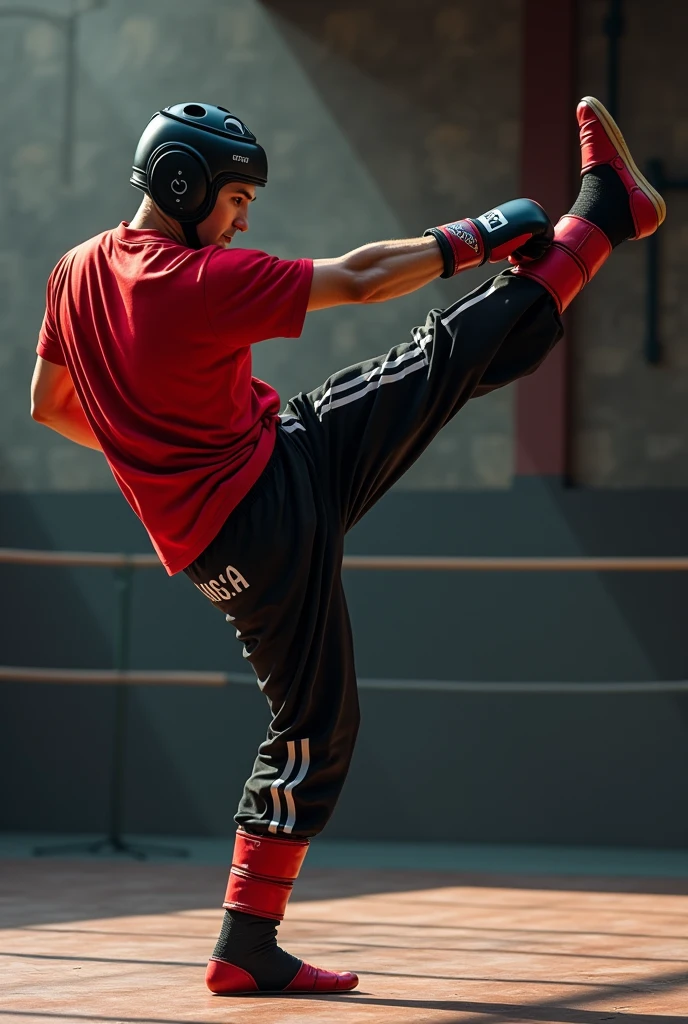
[(187, 153)]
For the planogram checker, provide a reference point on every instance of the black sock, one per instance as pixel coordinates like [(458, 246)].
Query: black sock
[(604, 201), (250, 942)]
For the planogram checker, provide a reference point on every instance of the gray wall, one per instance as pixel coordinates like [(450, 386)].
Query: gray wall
[(557, 769), (377, 123)]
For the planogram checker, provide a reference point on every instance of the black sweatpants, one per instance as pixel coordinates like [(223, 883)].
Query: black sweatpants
[(275, 567)]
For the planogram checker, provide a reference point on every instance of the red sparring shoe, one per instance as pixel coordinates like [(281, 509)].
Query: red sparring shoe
[(227, 980), (580, 247), (602, 143), (264, 869)]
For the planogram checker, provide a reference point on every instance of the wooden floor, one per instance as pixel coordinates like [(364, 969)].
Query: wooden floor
[(128, 942)]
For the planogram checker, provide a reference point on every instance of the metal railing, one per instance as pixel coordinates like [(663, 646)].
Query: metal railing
[(23, 556), (124, 567)]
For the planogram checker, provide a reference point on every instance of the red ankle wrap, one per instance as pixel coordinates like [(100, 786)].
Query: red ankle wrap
[(263, 873), (578, 251)]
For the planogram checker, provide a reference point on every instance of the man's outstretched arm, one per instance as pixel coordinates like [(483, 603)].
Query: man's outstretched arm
[(387, 270), (55, 403), (375, 272)]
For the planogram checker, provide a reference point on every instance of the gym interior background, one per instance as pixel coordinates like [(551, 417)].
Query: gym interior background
[(379, 119)]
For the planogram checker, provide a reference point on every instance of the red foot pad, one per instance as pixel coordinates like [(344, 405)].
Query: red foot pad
[(315, 979), (227, 980), (601, 142)]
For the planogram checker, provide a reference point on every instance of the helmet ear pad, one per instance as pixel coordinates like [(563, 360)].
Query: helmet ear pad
[(179, 181)]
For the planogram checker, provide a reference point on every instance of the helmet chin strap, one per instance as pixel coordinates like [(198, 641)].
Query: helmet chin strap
[(191, 236)]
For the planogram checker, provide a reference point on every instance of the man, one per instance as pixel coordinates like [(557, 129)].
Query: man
[(144, 353)]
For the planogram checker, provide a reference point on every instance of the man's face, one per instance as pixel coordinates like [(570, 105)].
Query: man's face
[(230, 214)]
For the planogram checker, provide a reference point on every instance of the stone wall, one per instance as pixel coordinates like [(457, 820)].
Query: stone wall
[(378, 121)]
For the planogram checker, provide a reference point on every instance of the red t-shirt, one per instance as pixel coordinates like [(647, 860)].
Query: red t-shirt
[(156, 337)]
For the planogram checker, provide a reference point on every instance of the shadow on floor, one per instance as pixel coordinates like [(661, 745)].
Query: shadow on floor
[(44, 892)]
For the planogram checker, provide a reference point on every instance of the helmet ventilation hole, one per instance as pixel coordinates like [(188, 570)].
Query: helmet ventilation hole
[(195, 110), (232, 124)]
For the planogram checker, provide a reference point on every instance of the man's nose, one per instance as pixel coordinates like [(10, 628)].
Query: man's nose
[(241, 222)]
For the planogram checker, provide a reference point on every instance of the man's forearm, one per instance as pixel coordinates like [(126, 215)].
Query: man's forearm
[(396, 268), (386, 270), (71, 422)]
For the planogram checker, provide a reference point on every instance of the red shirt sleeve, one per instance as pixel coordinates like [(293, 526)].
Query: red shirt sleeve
[(251, 296), (49, 346)]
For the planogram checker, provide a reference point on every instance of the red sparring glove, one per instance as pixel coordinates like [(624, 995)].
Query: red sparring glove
[(520, 227)]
